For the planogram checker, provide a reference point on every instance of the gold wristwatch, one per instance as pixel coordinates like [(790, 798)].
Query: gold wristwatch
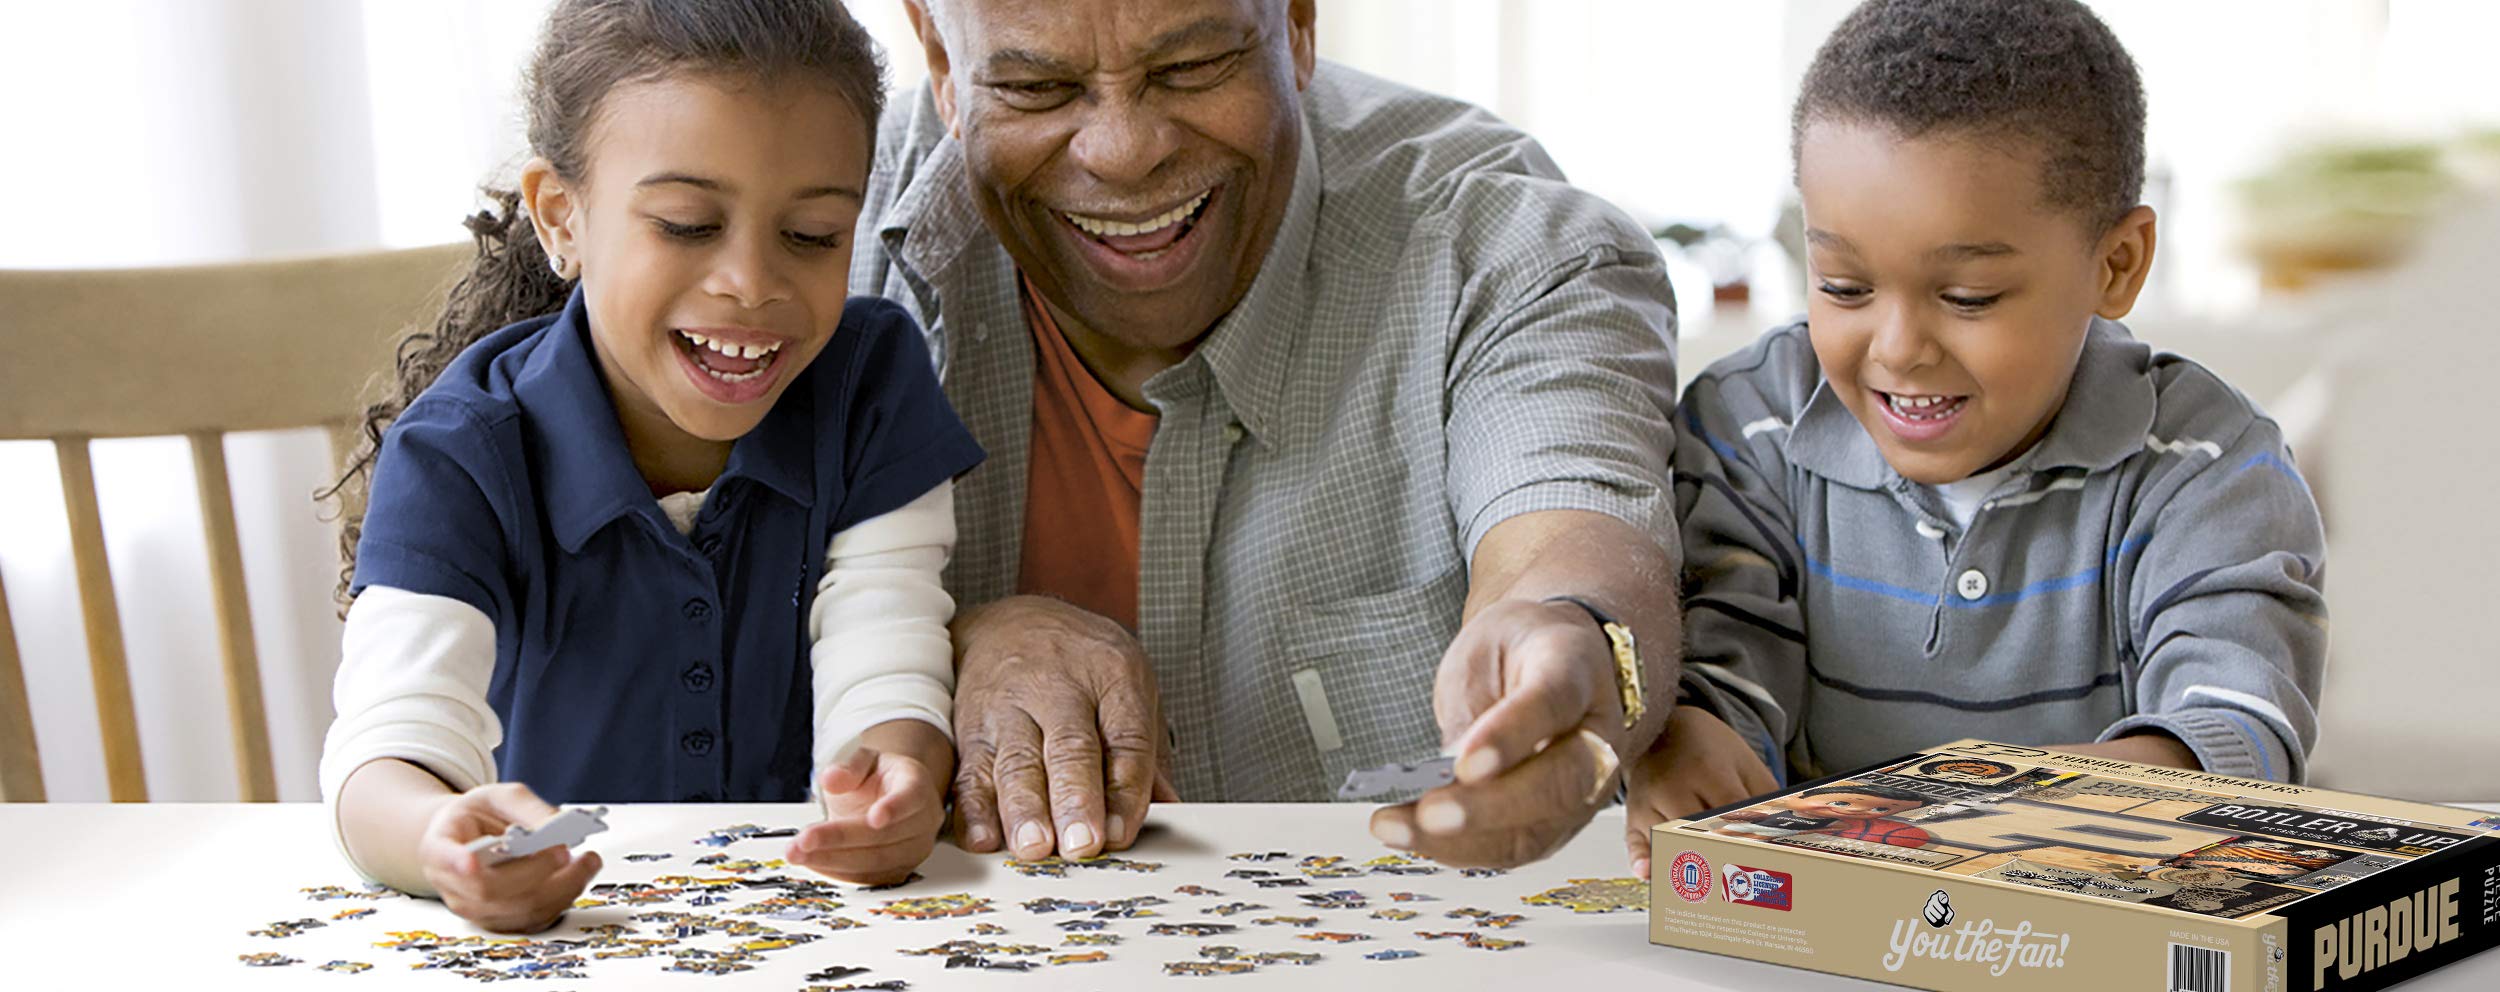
[(1628, 676)]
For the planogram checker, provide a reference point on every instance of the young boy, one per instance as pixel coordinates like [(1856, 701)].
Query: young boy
[(1960, 500)]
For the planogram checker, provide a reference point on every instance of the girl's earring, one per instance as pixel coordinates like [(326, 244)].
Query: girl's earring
[(555, 263)]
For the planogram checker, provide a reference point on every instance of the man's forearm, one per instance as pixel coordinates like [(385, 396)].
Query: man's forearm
[(1612, 564)]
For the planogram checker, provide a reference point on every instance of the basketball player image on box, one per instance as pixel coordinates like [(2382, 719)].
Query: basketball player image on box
[(1848, 809)]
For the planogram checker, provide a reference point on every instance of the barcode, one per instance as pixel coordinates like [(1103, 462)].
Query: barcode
[(2199, 969)]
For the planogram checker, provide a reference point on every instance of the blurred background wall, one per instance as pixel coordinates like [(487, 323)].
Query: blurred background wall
[(2300, 151)]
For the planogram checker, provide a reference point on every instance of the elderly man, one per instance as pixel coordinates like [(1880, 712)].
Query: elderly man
[(1327, 428)]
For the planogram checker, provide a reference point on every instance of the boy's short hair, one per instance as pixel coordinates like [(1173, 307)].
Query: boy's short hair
[(2046, 71), (1877, 791)]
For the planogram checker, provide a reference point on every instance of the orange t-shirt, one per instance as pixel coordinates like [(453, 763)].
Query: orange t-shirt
[(1085, 482)]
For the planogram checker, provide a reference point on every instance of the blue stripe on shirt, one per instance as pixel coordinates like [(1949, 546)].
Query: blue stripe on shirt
[(2075, 581), (2265, 765), (2270, 460), (1692, 422)]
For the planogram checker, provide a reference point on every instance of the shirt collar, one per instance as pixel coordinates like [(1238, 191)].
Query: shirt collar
[(933, 220), (1251, 348), (2108, 411), (587, 476)]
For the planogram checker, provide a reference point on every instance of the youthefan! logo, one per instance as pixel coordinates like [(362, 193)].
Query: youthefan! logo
[(1978, 942)]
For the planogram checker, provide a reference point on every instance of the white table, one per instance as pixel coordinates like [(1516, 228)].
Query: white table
[(161, 896)]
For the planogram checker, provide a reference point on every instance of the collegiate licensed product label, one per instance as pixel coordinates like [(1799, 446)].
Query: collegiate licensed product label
[(1746, 886), (2323, 828), (1689, 876)]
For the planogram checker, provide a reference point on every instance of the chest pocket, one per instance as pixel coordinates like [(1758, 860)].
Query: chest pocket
[(1361, 671)]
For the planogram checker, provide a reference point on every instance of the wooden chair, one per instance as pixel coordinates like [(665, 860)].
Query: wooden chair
[(194, 351)]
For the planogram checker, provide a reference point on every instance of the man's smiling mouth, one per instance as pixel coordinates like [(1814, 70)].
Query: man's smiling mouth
[(1145, 239)]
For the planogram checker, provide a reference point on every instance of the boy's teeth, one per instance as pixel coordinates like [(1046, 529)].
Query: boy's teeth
[(1920, 407), (1115, 229)]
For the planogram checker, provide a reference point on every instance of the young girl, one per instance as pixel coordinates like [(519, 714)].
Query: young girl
[(674, 533)]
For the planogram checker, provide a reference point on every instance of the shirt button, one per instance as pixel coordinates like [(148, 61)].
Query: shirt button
[(698, 677), (697, 609), (1971, 585), (697, 743), (709, 545), (1233, 433)]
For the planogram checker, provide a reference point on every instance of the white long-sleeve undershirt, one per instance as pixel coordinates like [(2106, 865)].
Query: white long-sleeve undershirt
[(414, 670)]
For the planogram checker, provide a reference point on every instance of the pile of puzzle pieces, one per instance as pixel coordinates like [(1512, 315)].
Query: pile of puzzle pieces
[(744, 911)]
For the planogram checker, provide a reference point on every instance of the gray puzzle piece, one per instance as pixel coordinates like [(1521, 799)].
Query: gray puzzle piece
[(1399, 776), (567, 828)]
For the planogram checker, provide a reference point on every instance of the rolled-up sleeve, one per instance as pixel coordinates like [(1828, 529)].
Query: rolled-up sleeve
[(1564, 401)]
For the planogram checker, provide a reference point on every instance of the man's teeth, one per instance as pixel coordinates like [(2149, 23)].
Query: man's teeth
[(728, 350), (1101, 228), (1922, 407)]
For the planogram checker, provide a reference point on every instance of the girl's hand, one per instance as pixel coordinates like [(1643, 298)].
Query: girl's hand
[(1699, 763), (524, 895), (882, 814)]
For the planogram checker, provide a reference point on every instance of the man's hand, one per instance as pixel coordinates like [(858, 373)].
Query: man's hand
[(1526, 698), (524, 895), (884, 801), (1699, 763), (1057, 723)]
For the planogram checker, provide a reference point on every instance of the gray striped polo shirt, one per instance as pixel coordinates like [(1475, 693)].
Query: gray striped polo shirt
[(2156, 562)]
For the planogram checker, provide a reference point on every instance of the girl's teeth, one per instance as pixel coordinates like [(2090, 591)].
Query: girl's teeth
[(728, 350)]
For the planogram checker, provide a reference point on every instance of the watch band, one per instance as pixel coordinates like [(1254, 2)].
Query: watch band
[(1628, 677)]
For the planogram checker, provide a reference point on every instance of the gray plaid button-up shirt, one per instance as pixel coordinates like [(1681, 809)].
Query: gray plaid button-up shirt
[(1444, 335)]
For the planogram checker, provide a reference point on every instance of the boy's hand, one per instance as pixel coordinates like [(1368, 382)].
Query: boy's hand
[(882, 814), (2146, 747), (524, 895), (1699, 763)]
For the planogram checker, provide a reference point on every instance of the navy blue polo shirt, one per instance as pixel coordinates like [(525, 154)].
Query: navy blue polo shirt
[(633, 663)]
